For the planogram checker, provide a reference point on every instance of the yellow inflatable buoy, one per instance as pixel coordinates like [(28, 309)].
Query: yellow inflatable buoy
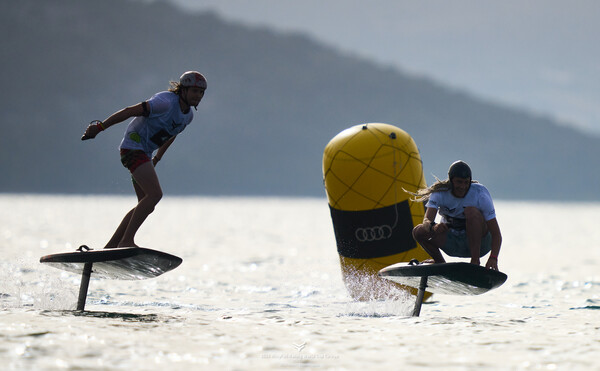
[(366, 170)]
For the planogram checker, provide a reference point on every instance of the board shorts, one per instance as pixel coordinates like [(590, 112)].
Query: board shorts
[(457, 245), (133, 158)]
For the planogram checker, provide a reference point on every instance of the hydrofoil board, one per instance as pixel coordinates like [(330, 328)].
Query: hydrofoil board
[(124, 263), (446, 278)]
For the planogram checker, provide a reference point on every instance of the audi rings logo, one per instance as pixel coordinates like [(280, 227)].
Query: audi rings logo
[(376, 233)]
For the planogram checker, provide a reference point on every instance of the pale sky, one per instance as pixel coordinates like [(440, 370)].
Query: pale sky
[(539, 55)]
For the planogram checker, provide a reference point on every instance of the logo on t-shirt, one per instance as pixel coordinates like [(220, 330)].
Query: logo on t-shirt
[(135, 137)]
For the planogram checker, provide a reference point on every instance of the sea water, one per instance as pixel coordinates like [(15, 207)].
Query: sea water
[(260, 288)]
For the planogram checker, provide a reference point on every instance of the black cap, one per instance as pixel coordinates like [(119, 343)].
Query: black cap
[(459, 169)]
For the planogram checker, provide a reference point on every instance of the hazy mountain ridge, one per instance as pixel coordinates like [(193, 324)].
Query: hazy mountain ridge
[(273, 103)]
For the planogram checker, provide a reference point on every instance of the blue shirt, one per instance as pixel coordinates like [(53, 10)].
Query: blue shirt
[(164, 122)]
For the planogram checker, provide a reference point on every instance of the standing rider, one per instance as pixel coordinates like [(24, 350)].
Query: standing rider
[(156, 123)]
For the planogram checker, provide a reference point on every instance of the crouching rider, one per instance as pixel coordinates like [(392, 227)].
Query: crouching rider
[(468, 227)]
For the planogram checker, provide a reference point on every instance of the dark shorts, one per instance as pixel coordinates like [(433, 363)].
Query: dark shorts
[(133, 158), (457, 245)]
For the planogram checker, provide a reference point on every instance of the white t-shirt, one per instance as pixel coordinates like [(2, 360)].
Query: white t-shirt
[(164, 122), (450, 206)]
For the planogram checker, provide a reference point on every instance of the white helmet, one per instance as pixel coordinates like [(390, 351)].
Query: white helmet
[(192, 78)]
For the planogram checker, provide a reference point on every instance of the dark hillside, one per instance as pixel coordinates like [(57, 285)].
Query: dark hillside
[(273, 102)]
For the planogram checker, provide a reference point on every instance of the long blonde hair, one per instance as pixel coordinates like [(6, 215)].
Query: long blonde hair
[(175, 87), (439, 186)]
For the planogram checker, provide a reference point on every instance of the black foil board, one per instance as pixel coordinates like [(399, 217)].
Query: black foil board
[(446, 278), (124, 263)]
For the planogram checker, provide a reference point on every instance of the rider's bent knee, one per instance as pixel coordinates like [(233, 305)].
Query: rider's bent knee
[(153, 199), (419, 232)]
